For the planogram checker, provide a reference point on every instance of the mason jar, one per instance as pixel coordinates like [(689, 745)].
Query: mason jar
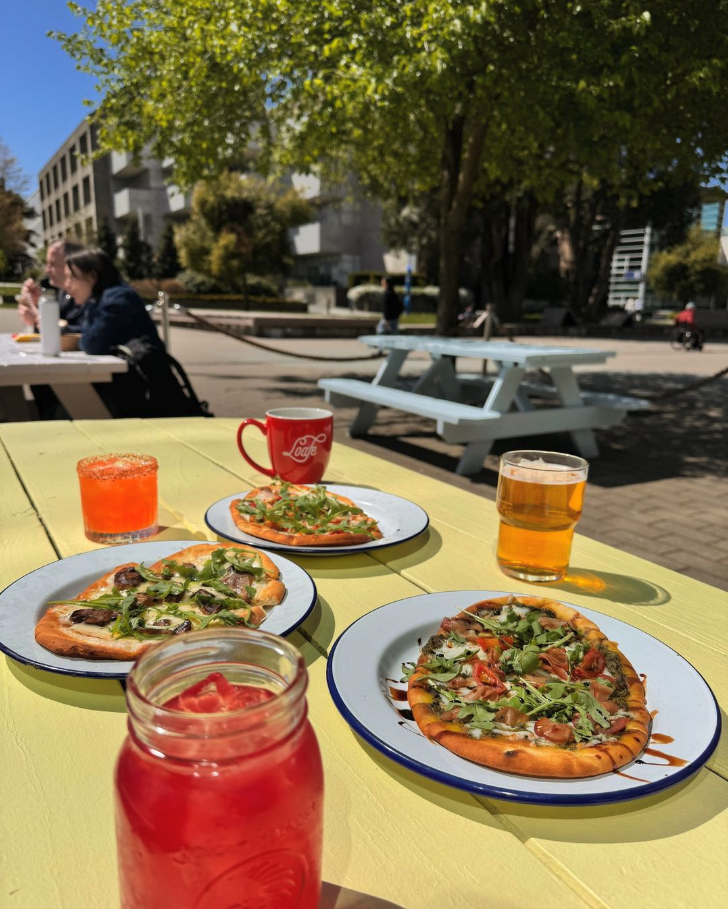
[(219, 785)]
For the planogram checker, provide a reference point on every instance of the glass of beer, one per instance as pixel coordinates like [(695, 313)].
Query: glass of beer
[(119, 497), (540, 499)]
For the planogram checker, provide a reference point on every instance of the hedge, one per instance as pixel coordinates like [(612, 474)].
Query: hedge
[(369, 297)]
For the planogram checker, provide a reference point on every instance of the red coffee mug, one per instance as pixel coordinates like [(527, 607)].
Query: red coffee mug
[(299, 443)]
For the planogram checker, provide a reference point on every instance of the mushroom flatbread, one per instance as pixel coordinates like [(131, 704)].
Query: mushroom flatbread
[(529, 686), (302, 516), (133, 606)]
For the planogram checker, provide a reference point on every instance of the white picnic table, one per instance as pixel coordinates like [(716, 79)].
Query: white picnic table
[(70, 375), (510, 409)]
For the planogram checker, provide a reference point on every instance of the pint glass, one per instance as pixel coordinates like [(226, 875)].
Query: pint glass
[(540, 498)]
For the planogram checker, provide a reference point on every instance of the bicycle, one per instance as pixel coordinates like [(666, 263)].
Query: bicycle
[(686, 339)]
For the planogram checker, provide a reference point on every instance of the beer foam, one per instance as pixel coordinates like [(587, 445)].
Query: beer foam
[(540, 471)]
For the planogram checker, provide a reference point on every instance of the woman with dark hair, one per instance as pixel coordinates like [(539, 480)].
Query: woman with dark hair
[(113, 312)]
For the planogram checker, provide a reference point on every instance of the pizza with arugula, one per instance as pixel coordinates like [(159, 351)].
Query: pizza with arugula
[(123, 613), (302, 516), (530, 686)]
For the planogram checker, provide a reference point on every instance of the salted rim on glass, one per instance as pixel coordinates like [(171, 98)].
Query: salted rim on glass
[(149, 697), (128, 464), (299, 413)]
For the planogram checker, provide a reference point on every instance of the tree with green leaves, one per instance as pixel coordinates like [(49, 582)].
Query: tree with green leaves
[(451, 97), (239, 226), (137, 259), (690, 270), (106, 239), (166, 260)]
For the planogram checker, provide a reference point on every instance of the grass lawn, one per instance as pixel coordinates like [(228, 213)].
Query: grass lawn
[(10, 289), (419, 318)]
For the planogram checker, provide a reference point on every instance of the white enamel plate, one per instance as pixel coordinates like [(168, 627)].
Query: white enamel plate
[(365, 668), (398, 519), (24, 602)]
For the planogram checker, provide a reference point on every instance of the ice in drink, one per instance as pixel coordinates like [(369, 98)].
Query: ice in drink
[(219, 789)]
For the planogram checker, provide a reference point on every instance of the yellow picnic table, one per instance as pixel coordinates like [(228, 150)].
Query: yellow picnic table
[(389, 832)]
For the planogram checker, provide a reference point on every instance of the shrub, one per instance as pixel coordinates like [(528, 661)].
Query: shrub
[(369, 297)]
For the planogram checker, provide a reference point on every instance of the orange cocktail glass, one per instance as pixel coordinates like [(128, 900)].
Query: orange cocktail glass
[(119, 497)]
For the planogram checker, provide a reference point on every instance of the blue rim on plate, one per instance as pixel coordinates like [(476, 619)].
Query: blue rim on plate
[(409, 752), (399, 520), (17, 621)]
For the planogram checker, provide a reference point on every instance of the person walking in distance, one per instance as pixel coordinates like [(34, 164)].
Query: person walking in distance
[(391, 310)]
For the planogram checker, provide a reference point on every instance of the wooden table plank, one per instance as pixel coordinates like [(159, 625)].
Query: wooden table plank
[(666, 845)]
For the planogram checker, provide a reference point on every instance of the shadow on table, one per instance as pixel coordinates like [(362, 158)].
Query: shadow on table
[(321, 627), (88, 694), (335, 897), (618, 587), (684, 807)]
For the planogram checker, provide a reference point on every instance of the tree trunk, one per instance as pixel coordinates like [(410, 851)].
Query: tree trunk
[(461, 157), (506, 243), (600, 289)]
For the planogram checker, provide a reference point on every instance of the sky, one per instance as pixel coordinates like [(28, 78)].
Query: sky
[(41, 93)]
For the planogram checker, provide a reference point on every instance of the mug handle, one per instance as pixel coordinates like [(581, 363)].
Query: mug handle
[(269, 472)]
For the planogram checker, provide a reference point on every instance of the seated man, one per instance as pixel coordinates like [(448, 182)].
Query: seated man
[(56, 257), (686, 320)]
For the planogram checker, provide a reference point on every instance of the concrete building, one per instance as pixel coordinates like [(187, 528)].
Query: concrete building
[(345, 237), (75, 195), (631, 259), (75, 198)]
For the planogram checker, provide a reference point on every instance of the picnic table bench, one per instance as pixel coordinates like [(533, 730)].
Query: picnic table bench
[(508, 411)]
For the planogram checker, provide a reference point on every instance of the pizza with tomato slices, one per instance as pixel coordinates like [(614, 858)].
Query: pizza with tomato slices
[(530, 686), (303, 516)]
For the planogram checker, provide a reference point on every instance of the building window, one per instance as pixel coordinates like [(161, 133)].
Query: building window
[(50, 216), (76, 203), (42, 191), (58, 210), (66, 206), (86, 190), (48, 183), (94, 144), (55, 176), (77, 230), (44, 220), (89, 229), (83, 144), (72, 158), (64, 172)]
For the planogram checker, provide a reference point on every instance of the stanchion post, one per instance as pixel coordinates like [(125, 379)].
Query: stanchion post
[(163, 303)]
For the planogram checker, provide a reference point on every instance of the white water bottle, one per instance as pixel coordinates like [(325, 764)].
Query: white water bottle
[(50, 328)]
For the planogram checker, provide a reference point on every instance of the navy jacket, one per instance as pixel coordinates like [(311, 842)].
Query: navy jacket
[(115, 318)]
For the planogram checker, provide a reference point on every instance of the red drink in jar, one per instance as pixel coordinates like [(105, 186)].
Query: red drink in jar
[(219, 787)]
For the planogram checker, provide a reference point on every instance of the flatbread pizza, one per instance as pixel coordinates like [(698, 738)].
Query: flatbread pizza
[(302, 516), (529, 686), (124, 612)]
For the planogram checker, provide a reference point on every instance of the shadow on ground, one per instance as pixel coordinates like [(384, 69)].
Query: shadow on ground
[(682, 436)]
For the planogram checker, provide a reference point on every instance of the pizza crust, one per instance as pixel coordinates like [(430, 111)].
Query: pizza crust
[(517, 755), (56, 633), (270, 531)]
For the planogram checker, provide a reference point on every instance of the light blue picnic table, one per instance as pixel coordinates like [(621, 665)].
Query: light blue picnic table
[(509, 410)]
